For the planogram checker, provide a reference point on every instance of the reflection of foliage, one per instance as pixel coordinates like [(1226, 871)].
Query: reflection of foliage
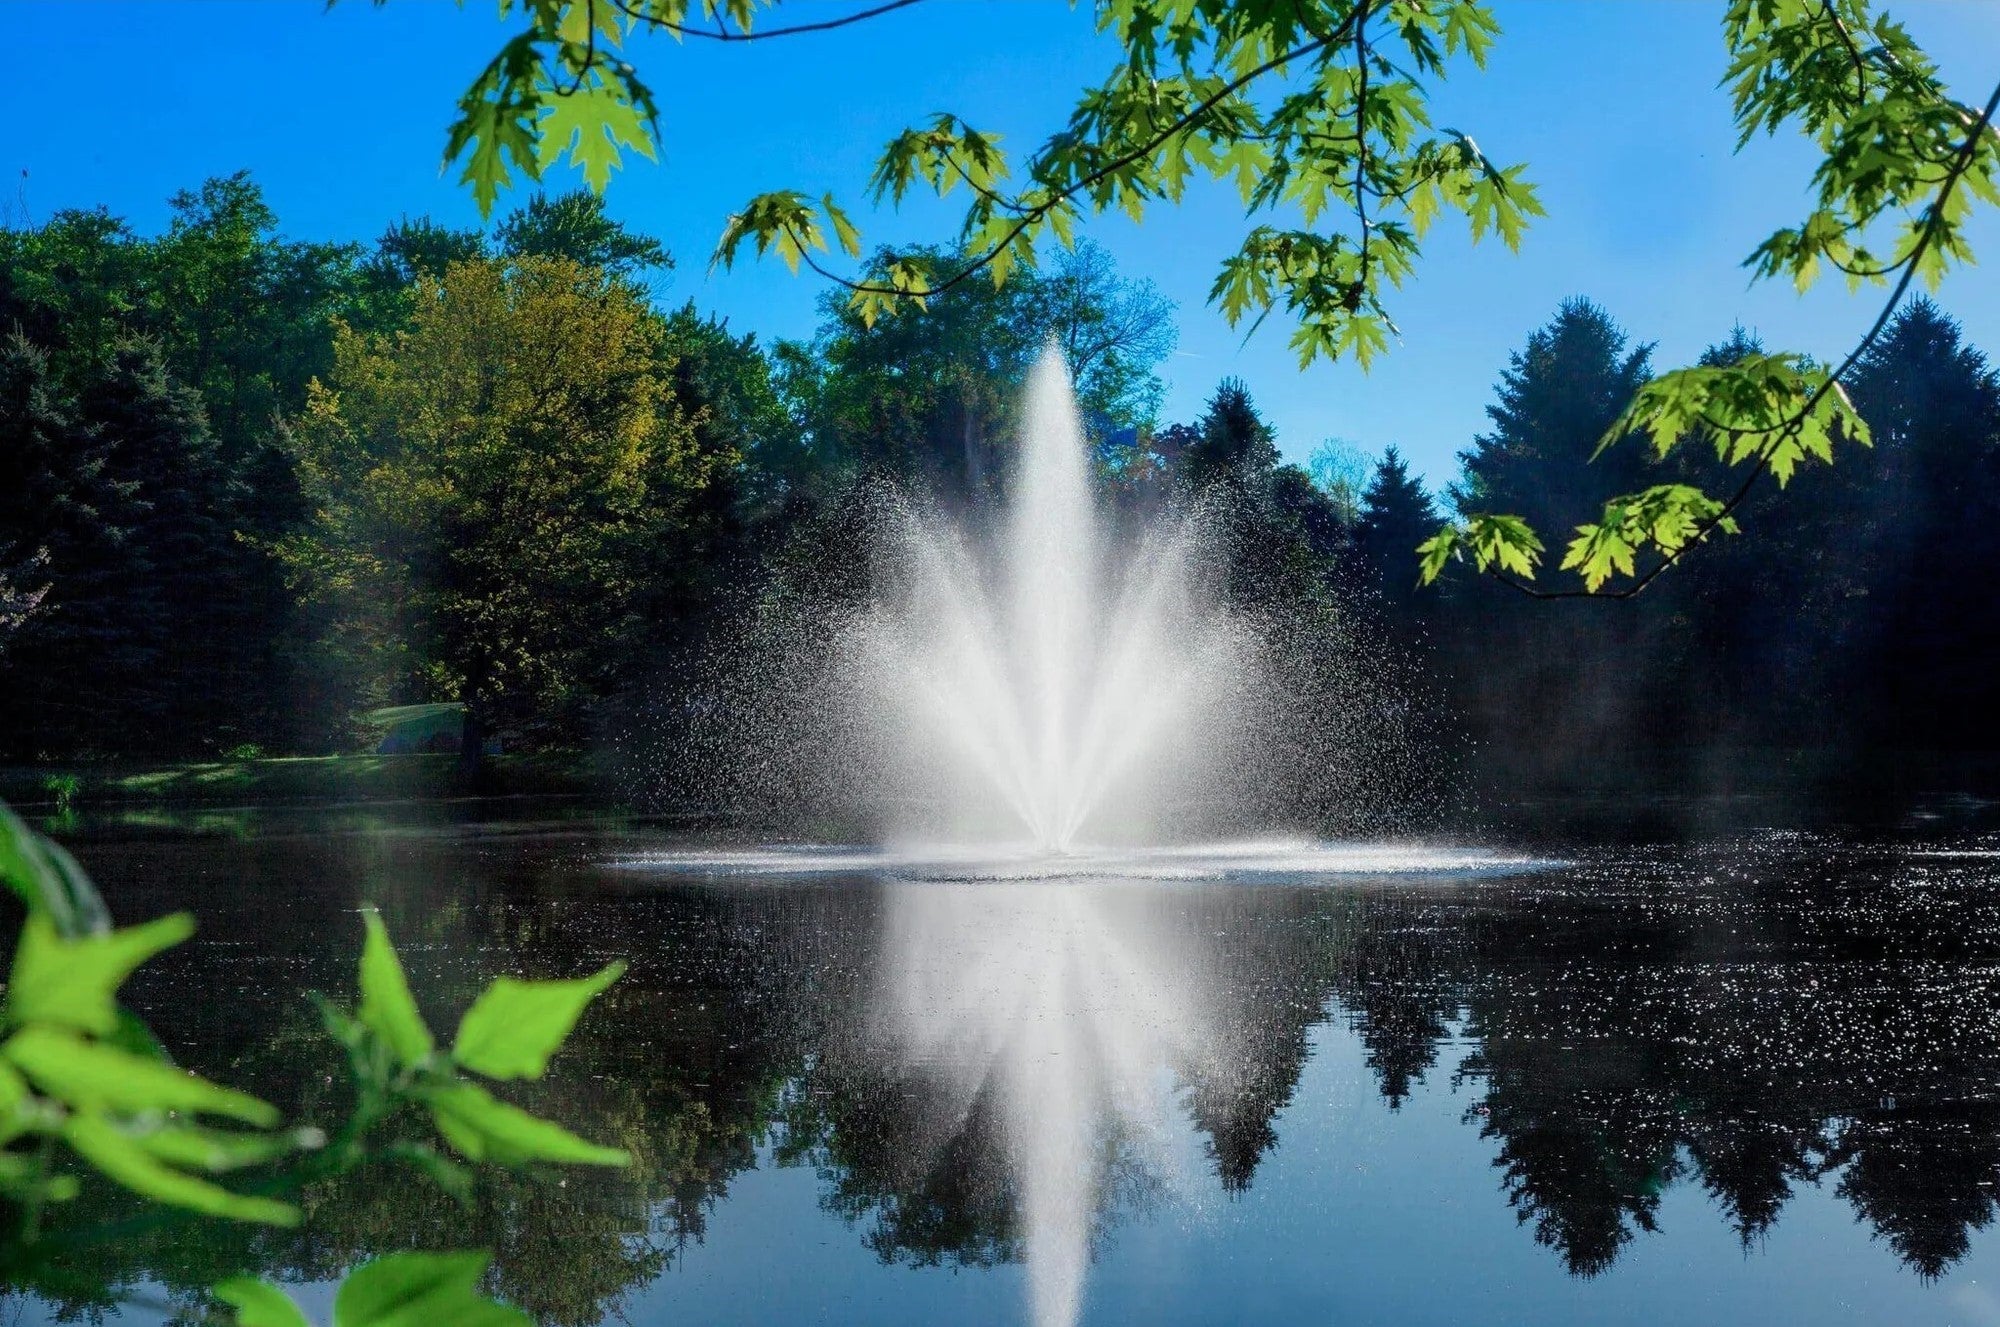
[(1620, 1043), (931, 1191), (81, 1072)]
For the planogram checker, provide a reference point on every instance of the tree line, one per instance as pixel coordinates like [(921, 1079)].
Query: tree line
[(252, 488)]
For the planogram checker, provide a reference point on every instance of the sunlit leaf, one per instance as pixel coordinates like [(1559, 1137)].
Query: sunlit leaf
[(90, 1076), (591, 125), (514, 1026), (74, 983), (114, 1153), (259, 1303), (387, 1007), (422, 1290), (483, 1128)]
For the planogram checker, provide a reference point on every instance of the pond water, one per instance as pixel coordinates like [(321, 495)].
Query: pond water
[(1749, 1075)]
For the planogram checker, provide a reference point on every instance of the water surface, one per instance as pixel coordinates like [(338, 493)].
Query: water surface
[(1747, 1077)]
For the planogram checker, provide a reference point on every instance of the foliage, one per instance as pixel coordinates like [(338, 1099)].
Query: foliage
[(1312, 112), (509, 1032), (1340, 469), (398, 1290), (1231, 443), (80, 1072), (929, 396), (1396, 514), (1893, 143), (1305, 111), (494, 472), (122, 489), (574, 226)]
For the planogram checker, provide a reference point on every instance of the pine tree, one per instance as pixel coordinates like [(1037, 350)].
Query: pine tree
[(135, 648), (1926, 535), (61, 504), (1396, 516), (1556, 399), (1233, 442), (575, 226), (177, 592)]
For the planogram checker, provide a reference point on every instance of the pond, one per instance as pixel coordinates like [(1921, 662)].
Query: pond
[(1747, 1075)]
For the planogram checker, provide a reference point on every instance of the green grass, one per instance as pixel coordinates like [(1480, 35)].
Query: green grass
[(294, 779)]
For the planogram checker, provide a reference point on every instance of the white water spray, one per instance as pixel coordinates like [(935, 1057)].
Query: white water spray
[(1046, 688), (1040, 704)]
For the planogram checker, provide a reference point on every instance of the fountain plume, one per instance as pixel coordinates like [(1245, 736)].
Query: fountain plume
[(1052, 682)]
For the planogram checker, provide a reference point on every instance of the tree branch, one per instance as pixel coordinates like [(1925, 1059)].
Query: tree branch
[(1785, 432), (1031, 214), (723, 34)]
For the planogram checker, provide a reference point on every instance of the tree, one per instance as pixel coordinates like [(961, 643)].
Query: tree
[(1232, 443), (1340, 470), (930, 396), (57, 521), (134, 650), (1396, 516), (1113, 332), (1556, 398), (574, 226), (486, 481), (1933, 406), (729, 386)]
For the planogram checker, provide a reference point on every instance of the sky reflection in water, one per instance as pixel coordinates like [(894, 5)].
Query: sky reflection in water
[(1752, 1079)]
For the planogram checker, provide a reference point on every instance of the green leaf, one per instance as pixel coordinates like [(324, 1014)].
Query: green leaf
[(387, 1007), (422, 1290), (514, 1026), (114, 1153), (74, 983), (447, 1174), (1435, 552), (496, 121), (259, 1303), (483, 1128), (1506, 541), (48, 880), (591, 124), (95, 1077), (193, 1147), (843, 229), (131, 1035)]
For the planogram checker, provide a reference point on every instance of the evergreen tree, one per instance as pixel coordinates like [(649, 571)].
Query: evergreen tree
[(1551, 686), (59, 504), (1396, 516), (1556, 399), (1924, 537), (576, 227), (195, 642), (1233, 444), (136, 646)]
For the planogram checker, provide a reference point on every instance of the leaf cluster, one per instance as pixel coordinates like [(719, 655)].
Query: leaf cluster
[(79, 1071), (1891, 140), (509, 1033), (1308, 111)]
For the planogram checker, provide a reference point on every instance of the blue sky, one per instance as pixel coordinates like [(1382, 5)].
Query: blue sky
[(340, 115)]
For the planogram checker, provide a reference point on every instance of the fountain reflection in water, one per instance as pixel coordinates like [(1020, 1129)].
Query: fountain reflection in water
[(1062, 1011), (1036, 707)]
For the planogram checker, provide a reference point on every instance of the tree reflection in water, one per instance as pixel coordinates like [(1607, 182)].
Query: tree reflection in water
[(992, 1073)]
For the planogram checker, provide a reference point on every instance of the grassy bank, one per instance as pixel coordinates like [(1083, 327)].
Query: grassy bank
[(294, 779)]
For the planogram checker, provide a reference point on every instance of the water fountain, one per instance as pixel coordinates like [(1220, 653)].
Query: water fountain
[(1049, 688), (1042, 703)]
